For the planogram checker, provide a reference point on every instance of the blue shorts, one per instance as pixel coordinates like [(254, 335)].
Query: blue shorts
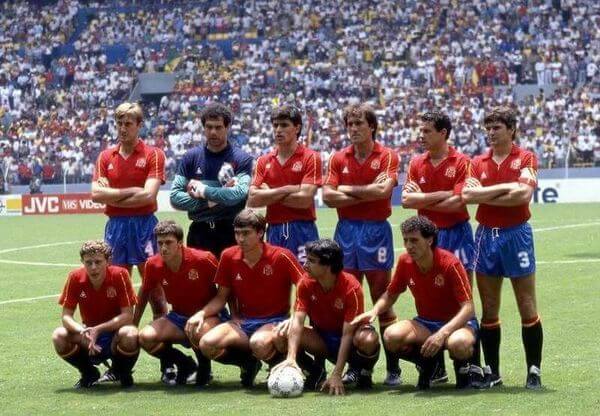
[(367, 245), (458, 239), (131, 238), (293, 235), (434, 326), (251, 325), (332, 341), (104, 341), (180, 320), (505, 252)]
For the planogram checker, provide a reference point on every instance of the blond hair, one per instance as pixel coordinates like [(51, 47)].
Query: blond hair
[(129, 109)]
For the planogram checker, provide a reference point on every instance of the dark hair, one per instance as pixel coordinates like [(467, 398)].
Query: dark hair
[(440, 121), (250, 218), (328, 252), (423, 225), (168, 227), (358, 110), (504, 115), (287, 112), (216, 110)]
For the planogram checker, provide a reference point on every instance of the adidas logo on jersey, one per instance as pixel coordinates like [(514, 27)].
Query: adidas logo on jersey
[(345, 170), (110, 166), (82, 295), (238, 277)]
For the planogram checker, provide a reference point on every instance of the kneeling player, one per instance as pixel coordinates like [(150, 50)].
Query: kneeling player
[(258, 277), (186, 275), (105, 298), (331, 299), (445, 311)]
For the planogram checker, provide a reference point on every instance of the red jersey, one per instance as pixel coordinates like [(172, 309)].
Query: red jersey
[(97, 306), (303, 167), (329, 310), (519, 166), (145, 162), (264, 290), (188, 289), (344, 169), (438, 293), (448, 175)]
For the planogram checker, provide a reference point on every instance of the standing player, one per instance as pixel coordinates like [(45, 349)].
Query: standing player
[(186, 276), (212, 183), (359, 185), (445, 311), (502, 182), (433, 185), (127, 178), (258, 278), (331, 299), (286, 181), (105, 298)]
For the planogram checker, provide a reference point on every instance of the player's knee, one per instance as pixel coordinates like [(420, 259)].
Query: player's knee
[(128, 333), (261, 345), (209, 346), (460, 346), (59, 337), (393, 340), (147, 337)]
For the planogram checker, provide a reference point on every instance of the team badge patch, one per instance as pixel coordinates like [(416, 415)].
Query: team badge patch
[(268, 166), (439, 280), (338, 304), (411, 282), (450, 172), (268, 270), (193, 274), (297, 167), (165, 283), (140, 163), (515, 164), (82, 295), (111, 292), (375, 164)]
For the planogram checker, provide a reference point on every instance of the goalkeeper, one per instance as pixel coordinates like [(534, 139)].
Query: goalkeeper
[(212, 183)]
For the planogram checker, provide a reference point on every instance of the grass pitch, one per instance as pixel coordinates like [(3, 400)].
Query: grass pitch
[(36, 254)]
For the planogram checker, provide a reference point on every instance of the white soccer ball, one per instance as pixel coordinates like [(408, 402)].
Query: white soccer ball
[(286, 382)]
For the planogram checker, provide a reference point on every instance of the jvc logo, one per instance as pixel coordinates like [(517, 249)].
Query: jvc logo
[(42, 205)]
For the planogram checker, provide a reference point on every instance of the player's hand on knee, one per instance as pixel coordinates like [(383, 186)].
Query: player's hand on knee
[(194, 324), (433, 344), (364, 318), (283, 328), (334, 385)]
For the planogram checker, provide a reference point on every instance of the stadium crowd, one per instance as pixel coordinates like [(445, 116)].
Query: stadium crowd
[(459, 57)]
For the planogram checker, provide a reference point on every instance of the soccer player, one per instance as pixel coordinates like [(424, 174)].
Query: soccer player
[(433, 186), (286, 181), (502, 182), (331, 299), (127, 178), (445, 311), (359, 185), (105, 298), (187, 278), (212, 183), (258, 277)]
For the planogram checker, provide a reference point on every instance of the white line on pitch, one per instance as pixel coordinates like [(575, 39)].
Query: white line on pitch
[(63, 243), (37, 263), (562, 227)]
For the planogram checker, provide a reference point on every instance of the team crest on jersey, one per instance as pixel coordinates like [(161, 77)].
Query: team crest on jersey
[(193, 274), (82, 295), (268, 270), (450, 172), (338, 304), (375, 164), (140, 163), (439, 280), (111, 292), (297, 167), (268, 166), (110, 166), (345, 170), (515, 164), (165, 283), (411, 282)]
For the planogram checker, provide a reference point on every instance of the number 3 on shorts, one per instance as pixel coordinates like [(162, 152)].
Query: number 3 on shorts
[(382, 254), (523, 259)]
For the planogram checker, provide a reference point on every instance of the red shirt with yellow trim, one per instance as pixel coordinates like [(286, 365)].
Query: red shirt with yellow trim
[(188, 289), (97, 306), (519, 166), (329, 310), (448, 175), (264, 290), (145, 162), (344, 169), (439, 292), (302, 167)]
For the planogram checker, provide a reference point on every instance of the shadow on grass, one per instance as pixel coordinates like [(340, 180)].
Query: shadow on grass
[(450, 390), (214, 387)]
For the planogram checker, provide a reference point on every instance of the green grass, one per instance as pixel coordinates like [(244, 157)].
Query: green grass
[(34, 380)]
